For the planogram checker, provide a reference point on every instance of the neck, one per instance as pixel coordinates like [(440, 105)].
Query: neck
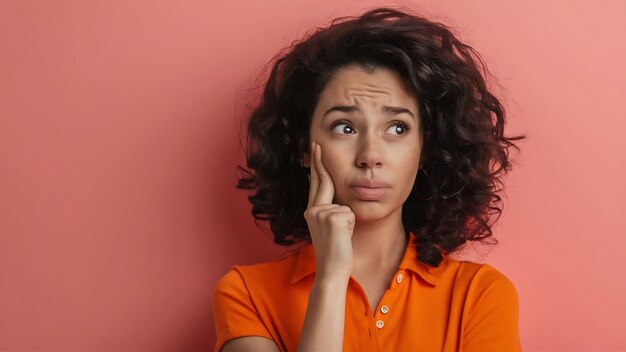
[(380, 243)]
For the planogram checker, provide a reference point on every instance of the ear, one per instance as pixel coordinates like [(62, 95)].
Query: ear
[(305, 161), (305, 158)]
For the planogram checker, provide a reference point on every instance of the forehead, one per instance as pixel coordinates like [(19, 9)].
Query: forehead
[(381, 83)]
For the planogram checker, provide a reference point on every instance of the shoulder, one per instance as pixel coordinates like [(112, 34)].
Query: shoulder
[(244, 289), (264, 274), (487, 278), (478, 283), (490, 308), (483, 286), (479, 275)]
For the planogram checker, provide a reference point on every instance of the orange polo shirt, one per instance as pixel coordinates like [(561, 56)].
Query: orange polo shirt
[(459, 306)]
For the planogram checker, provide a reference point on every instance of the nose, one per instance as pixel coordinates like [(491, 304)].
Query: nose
[(369, 153)]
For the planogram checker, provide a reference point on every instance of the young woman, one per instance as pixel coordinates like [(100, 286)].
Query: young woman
[(379, 147)]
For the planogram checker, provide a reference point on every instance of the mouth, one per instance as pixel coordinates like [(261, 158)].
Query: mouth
[(369, 193)]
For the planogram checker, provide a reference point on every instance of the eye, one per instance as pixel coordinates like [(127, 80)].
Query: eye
[(399, 127), (346, 128)]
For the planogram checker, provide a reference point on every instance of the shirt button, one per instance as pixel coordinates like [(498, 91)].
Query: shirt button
[(399, 278), (380, 324), (384, 309)]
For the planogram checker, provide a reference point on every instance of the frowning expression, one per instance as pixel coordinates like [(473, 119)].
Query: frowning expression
[(369, 130)]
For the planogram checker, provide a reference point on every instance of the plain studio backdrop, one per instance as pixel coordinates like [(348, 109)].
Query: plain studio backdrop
[(119, 136)]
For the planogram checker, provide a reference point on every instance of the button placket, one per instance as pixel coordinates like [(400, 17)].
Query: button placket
[(384, 309)]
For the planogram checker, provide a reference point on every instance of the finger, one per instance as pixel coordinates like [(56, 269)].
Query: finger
[(318, 209), (326, 190), (314, 179), (325, 212), (334, 208)]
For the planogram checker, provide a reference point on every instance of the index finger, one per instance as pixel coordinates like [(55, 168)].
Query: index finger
[(326, 190), (313, 178)]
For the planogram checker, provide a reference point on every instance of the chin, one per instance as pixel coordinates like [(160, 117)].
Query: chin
[(368, 218), (368, 211)]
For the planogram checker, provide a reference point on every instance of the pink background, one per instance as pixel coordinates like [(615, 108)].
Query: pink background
[(119, 138)]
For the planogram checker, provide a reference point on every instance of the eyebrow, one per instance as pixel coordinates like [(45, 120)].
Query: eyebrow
[(388, 110)]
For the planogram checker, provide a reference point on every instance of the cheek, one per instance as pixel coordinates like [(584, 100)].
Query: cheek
[(337, 165), (332, 165), (408, 167)]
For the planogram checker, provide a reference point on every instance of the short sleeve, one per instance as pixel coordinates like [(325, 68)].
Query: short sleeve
[(234, 312), (492, 322)]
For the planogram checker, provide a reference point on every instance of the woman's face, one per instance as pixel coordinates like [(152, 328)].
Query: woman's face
[(369, 130)]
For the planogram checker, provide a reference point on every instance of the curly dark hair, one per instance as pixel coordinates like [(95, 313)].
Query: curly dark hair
[(465, 151)]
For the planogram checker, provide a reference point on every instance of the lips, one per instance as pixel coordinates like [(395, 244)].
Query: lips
[(364, 182), (367, 193), (366, 189)]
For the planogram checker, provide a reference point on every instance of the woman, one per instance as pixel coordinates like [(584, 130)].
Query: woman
[(378, 146)]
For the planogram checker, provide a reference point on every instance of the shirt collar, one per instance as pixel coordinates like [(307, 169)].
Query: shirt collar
[(306, 263)]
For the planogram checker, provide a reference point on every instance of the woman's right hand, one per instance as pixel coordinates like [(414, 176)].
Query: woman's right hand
[(330, 225)]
